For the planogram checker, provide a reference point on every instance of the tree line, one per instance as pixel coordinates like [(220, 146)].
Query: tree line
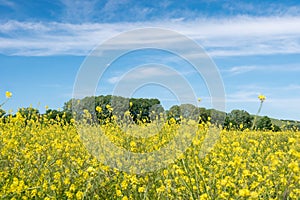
[(104, 109)]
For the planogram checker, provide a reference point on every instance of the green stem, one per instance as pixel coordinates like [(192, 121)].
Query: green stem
[(3, 103), (259, 109)]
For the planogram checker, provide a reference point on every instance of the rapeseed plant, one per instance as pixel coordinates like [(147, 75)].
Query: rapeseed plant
[(48, 160), (261, 98), (8, 95)]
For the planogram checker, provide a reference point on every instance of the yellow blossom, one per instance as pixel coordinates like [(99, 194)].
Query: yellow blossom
[(244, 193), (118, 193), (294, 166), (79, 195), (141, 189), (261, 97), (8, 94), (53, 187), (46, 159), (98, 109)]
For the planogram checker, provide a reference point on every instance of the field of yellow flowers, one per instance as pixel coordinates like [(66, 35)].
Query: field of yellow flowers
[(46, 159)]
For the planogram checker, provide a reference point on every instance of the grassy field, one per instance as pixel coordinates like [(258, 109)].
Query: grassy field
[(46, 159)]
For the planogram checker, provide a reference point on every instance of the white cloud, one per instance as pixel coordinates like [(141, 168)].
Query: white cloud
[(7, 3), (112, 5), (154, 72), (236, 70), (78, 11), (223, 37), (282, 101), (241, 69), (114, 79), (293, 87), (242, 96), (283, 108)]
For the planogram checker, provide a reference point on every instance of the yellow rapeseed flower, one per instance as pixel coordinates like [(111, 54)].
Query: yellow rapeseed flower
[(79, 195), (294, 166), (292, 140), (245, 165), (125, 198), (118, 193), (53, 187), (109, 108), (244, 193), (69, 194), (262, 97), (98, 109), (141, 189), (8, 94), (204, 197), (241, 126), (124, 184)]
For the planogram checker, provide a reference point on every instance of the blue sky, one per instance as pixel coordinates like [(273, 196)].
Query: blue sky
[(255, 45)]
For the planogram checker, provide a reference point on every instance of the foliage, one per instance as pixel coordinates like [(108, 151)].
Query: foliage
[(140, 108), (55, 115), (217, 117), (238, 120), (174, 112), (204, 115), (187, 111), (264, 123), (276, 128), (145, 110), (29, 113)]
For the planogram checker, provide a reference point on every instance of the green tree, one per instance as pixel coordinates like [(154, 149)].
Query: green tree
[(55, 115), (276, 128), (217, 117), (186, 111), (29, 112), (174, 113), (141, 108), (238, 119), (189, 111), (113, 105), (264, 123), (204, 114), (157, 112)]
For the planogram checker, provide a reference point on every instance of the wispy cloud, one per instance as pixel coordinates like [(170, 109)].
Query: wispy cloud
[(256, 87), (163, 77), (282, 101), (242, 96), (241, 69), (78, 11), (226, 37), (8, 3), (236, 70), (150, 73), (114, 79), (293, 87)]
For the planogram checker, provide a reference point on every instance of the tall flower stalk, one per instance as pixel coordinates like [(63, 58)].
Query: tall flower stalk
[(8, 95), (262, 98)]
